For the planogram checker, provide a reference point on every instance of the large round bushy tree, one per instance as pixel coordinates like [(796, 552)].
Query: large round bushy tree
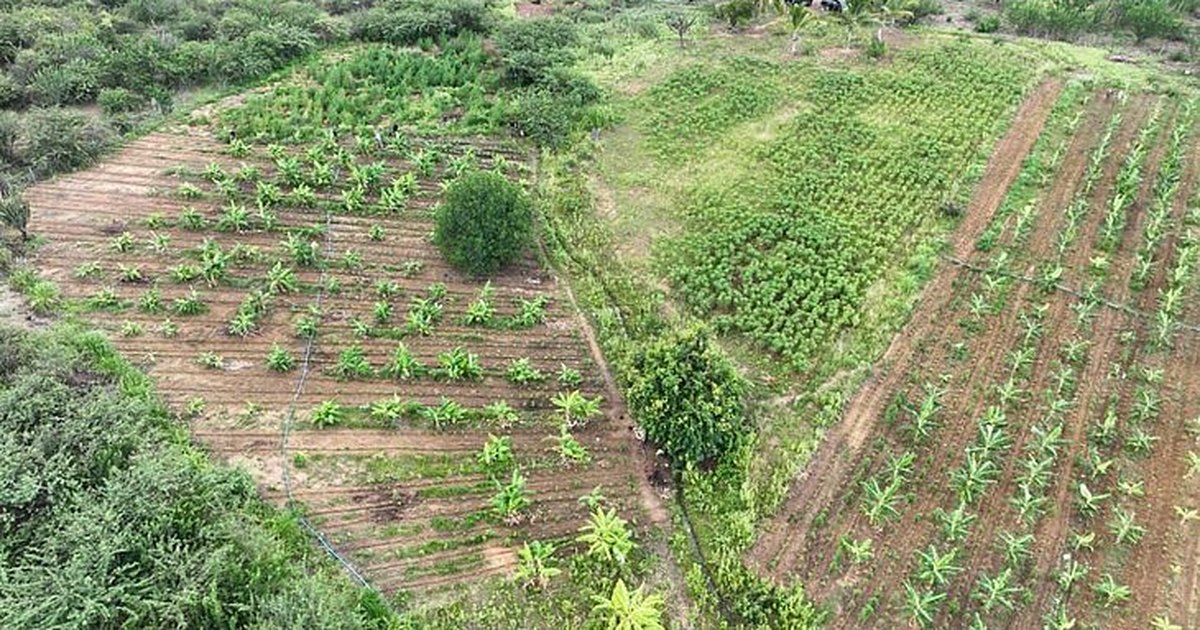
[(484, 223), (687, 396)]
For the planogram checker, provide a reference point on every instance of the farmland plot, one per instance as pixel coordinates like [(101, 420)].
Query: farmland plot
[(1021, 456), (288, 301)]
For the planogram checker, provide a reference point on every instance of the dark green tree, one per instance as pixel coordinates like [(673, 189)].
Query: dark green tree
[(484, 224), (688, 397)]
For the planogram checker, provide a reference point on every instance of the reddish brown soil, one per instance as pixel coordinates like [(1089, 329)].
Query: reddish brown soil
[(405, 534), (825, 504), (842, 444)]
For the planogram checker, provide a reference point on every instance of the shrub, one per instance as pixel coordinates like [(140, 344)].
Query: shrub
[(876, 48), (118, 101), (989, 24), (1150, 19), (10, 91), (409, 23), (737, 13), (1047, 18), (529, 49), (687, 396), (924, 8), (485, 223), (54, 140), (76, 81)]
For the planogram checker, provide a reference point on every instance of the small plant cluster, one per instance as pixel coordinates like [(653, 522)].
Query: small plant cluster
[(1165, 189), (456, 364), (1129, 180), (482, 311)]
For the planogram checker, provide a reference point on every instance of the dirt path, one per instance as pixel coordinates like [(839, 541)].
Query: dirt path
[(822, 477)]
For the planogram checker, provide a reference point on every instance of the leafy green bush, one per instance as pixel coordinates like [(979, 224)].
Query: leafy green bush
[(989, 24), (687, 396), (1048, 18), (11, 92), (118, 101), (111, 517), (484, 223), (1150, 19), (737, 13), (925, 8), (54, 140), (407, 23), (529, 49), (75, 81)]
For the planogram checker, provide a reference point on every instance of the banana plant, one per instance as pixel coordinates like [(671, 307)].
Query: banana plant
[(1124, 528), (1088, 502), (608, 537), (999, 591), (1110, 592), (1017, 548), (535, 565), (921, 607), (936, 569), (1071, 574), (511, 499), (956, 524)]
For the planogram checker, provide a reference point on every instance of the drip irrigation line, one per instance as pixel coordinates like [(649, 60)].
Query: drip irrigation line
[(1124, 308), (305, 369)]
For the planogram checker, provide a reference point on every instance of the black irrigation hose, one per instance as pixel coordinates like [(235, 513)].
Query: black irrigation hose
[(694, 543), (305, 369)]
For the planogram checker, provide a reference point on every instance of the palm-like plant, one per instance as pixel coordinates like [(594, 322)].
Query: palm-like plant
[(281, 279), (496, 453), (445, 412), (14, 212), (975, 475), (352, 364), (956, 524), (999, 591), (879, 500), (629, 610), (1124, 528), (1088, 502), (921, 606), (576, 409), (1070, 575), (460, 365), (511, 499), (570, 450), (800, 18), (535, 564), (403, 364), (608, 537), (859, 551), (1016, 547), (1110, 592), (936, 569)]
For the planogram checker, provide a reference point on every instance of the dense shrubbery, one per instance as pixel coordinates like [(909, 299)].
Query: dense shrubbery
[(687, 396), (1066, 19), (408, 22), (551, 99), (529, 49), (47, 141), (63, 55), (108, 517), (484, 223)]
